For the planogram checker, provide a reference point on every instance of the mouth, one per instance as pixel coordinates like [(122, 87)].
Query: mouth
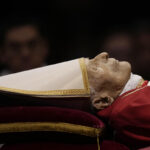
[(115, 62)]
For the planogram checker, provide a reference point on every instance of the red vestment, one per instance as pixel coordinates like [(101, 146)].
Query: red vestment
[(129, 115)]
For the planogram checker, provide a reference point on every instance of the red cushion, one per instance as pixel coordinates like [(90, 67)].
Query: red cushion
[(52, 114), (106, 145), (111, 145), (50, 146), (29, 120)]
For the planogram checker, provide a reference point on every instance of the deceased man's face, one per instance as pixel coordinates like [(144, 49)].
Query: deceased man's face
[(107, 78)]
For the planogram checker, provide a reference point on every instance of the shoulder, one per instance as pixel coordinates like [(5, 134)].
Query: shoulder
[(125, 103)]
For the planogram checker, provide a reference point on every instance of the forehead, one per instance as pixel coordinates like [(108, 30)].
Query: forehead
[(21, 34)]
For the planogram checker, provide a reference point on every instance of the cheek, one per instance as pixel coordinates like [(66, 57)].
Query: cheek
[(100, 70), (95, 82), (118, 82)]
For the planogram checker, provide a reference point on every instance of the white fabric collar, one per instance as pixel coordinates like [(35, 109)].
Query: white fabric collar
[(132, 83)]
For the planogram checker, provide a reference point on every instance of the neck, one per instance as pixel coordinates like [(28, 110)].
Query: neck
[(132, 83)]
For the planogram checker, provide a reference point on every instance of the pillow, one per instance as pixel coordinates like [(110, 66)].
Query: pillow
[(49, 146), (47, 123)]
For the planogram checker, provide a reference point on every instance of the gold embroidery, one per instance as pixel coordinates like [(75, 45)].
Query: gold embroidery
[(98, 145), (50, 126), (140, 83), (84, 92), (84, 75), (133, 92), (53, 92)]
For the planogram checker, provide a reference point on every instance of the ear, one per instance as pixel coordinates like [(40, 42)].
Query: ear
[(102, 102)]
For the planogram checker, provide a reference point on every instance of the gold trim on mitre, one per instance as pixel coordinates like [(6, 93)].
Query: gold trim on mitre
[(65, 92)]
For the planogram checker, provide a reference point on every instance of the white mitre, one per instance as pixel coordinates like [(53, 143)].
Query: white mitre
[(58, 80)]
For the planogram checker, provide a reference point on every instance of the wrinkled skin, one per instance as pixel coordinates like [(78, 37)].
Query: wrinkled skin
[(107, 78)]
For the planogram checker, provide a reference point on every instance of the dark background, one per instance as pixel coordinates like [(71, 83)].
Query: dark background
[(77, 28)]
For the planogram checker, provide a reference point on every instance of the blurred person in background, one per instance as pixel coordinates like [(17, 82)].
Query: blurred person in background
[(133, 46), (24, 45), (142, 48), (119, 44)]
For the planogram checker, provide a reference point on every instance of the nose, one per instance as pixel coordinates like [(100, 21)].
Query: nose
[(104, 55)]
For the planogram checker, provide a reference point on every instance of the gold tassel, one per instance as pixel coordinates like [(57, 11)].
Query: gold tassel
[(98, 145)]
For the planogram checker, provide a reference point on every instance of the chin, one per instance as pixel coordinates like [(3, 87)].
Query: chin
[(126, 66)]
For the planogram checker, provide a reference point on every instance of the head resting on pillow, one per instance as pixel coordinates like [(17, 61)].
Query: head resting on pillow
[(107, 78)]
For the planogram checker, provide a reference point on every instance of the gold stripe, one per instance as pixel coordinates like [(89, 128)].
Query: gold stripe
[(49, 126), (133, 91), (84, 91), (138, 88), (140, 83), (84, 75), (98, 145), (52, 92)]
